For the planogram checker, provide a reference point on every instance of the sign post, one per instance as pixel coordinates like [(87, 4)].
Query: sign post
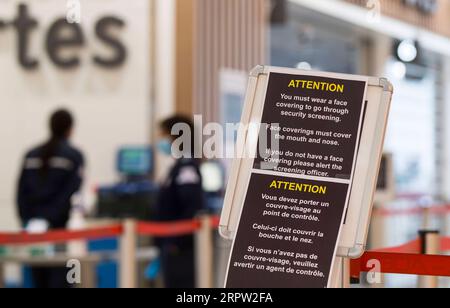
[(299, 185)]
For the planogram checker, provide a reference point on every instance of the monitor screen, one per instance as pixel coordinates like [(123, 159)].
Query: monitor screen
[(135, 161)]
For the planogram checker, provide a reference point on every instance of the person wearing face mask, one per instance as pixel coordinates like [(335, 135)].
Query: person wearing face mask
[(50, 176), (181, 197)]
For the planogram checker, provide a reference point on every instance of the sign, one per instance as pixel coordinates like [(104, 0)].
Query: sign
[(297, 195), (62, 36)]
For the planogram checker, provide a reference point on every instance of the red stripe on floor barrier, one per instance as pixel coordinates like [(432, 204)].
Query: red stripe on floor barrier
[(60, 236), (445, 244), (400, 212), (401, 263), (143, 228), (435, 210), (174, 229), (215, 221), (168, 229)]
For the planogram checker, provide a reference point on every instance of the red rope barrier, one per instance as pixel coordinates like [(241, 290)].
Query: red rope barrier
[(402, 259), (177, 228), (401, 263), (445, 244), (59, 236), (405, 259), (400, 212), (168, 229), (435, 210), (215, 222), (440, 210)]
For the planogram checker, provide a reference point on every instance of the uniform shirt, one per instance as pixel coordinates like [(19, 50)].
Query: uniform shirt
[(181, 196), (48, 195)]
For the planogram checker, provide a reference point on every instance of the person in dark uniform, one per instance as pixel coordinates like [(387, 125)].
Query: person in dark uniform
[(181, 198), (50, 176)]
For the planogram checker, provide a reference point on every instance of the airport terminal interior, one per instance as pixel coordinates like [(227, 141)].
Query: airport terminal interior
[(93, 196)]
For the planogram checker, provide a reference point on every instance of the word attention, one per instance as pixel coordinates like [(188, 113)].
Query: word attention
[(292, 186), (317, 85)]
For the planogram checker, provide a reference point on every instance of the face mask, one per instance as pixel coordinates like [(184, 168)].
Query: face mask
[(165, 147)]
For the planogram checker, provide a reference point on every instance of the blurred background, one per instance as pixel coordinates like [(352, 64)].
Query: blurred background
[(128, 65)]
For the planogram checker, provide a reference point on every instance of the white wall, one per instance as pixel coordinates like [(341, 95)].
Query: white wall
[(112, 107), (165, 15)]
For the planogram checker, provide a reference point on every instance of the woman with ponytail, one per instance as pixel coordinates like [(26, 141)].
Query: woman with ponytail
[(50, 176)]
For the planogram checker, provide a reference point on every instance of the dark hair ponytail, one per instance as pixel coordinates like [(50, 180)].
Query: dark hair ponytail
[(61, 123)]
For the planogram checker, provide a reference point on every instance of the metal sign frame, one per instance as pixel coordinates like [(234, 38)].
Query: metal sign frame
[(355, 229)]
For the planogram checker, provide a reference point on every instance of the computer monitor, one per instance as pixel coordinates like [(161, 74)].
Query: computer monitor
[(135, 161)]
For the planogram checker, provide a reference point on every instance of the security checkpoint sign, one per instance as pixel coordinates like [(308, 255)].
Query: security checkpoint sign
[(297, 194)]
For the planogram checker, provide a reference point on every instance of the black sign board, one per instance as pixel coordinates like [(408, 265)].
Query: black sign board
[(298, 192)]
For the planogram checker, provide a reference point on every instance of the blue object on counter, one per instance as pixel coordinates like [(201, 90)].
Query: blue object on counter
[(27, 278), (106, 271), (153, 269)]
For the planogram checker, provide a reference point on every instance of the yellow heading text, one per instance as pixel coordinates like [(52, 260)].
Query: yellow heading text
[(300, 187), (317, 85)]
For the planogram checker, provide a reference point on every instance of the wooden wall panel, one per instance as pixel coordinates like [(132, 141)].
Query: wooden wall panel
[(185, 19), (218, 34)]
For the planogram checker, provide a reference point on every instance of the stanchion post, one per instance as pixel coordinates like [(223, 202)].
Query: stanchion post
[(346, 273), (204, 253), (431, 244), (128, 265), (340, 275), (378, 228), (88, 275)]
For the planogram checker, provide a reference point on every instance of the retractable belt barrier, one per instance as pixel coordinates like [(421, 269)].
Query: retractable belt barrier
[(178, 228), (445, 244), (60, 236), (402, 263), (435, 210), (128, 231), (404, 259), (158, 229)]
